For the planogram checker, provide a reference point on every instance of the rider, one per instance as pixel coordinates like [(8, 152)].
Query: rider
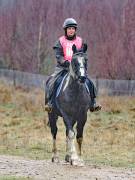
[(63, 53)]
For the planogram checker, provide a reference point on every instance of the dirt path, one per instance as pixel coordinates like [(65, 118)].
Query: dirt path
[(45, 170)]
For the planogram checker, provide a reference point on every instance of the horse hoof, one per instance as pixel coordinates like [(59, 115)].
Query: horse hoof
[(68, 158), (79, 163), (55, 159), (73, 162)]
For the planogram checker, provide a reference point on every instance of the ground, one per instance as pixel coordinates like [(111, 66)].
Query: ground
[(46, 170), (26, 142)]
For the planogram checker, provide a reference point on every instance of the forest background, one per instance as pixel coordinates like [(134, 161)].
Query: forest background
[(29, 29)]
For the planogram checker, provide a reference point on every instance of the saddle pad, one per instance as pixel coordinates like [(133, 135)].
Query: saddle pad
[(87, 88), (60, 86)]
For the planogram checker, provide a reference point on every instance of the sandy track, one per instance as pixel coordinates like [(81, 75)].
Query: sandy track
[(46, 170)]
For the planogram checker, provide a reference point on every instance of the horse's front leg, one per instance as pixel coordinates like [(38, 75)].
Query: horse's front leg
[(68, 151), (55, 157), (52, 121), (68, 155), (73, 157)]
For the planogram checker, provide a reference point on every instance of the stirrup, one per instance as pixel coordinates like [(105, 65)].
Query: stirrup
[(95, 107)]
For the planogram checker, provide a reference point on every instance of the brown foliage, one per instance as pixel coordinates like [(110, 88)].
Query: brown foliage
[(30, 29)]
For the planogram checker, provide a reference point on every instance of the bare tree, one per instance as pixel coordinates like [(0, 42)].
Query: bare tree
[(30, 28)]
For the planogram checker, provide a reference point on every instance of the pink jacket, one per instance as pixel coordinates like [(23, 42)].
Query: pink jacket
[(67, 46)]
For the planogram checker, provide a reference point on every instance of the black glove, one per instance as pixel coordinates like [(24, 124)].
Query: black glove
[(65, 63)]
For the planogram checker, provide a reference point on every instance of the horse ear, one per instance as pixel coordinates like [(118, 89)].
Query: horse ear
[(74, 48), (84, 47)]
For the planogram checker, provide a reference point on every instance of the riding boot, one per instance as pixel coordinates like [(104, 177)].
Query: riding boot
[(49, 99), (92, 91), (94, 106), (48, 102), (48, 107)]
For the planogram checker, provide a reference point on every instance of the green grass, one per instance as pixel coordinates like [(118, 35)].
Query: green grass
[(109, 135)]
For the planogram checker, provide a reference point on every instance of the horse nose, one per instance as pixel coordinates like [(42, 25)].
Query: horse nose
[(82, 79)]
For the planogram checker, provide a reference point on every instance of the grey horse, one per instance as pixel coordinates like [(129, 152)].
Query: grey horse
[(72, 103)]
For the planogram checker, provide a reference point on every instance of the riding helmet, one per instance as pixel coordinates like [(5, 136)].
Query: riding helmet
[(69, 22)]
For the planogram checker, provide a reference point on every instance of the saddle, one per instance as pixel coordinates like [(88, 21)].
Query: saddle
[(53, 87)]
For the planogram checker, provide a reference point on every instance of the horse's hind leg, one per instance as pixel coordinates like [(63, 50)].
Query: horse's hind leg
[(79, 136), (79, 142), (68, 156), (53, 120)]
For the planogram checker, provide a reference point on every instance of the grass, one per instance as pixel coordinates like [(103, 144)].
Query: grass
[(109, 135)]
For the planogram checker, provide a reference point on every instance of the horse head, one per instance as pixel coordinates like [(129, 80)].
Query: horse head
[(78, 66)]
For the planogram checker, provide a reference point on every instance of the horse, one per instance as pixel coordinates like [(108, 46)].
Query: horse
[(72, 103)]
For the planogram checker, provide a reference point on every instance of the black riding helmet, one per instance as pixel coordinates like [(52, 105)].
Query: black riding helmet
[(69, 22)]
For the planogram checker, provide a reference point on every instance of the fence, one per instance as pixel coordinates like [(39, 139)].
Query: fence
[(104, 86)]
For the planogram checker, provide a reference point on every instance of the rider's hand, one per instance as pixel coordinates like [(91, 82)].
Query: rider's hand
[(66, 63)]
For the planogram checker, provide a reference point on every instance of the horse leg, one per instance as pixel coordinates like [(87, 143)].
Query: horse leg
[(68, 156), (79, 142), (53, 120), (68, 153), (72, 149), (79, 136)]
